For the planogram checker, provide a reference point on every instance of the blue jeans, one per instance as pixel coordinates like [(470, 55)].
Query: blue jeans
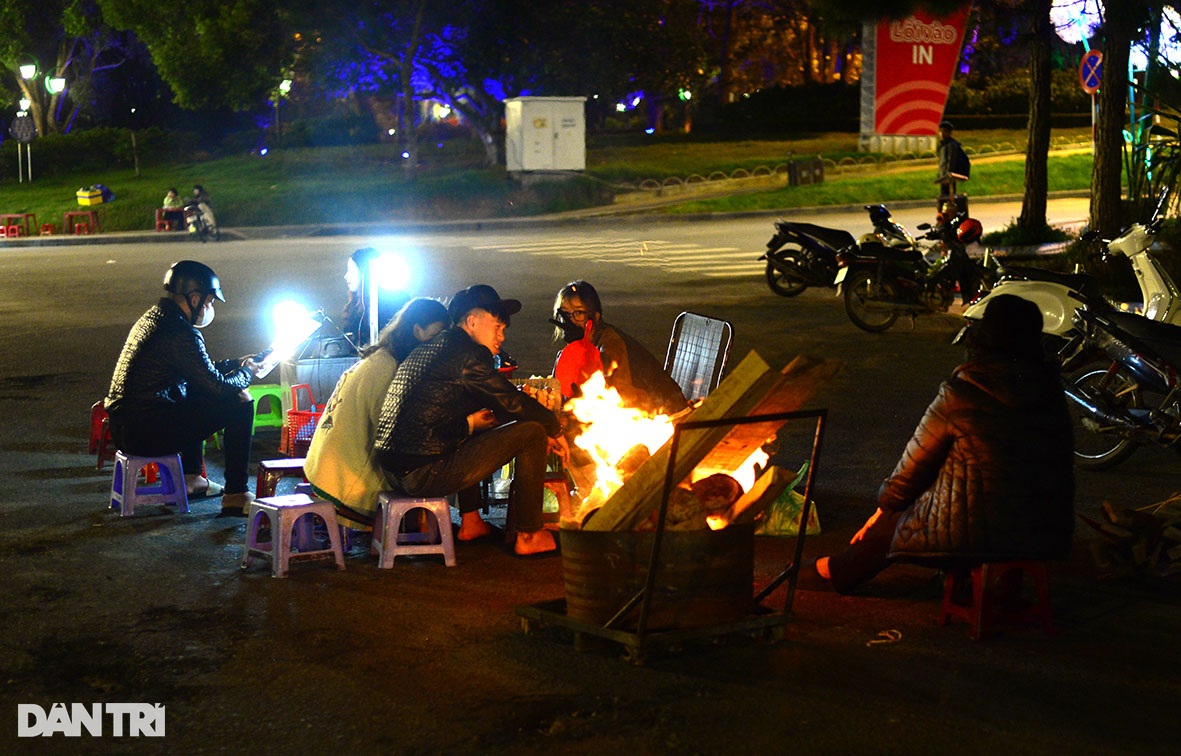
[(475, 459)]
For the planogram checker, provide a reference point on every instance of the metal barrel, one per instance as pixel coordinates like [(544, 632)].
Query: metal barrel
[(703, 577)]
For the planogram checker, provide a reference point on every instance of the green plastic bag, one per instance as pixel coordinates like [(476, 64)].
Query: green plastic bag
[(782, 518)]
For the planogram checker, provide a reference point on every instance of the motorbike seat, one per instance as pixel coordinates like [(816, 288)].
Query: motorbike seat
[(891, 254), (1084, 283), (1162, 338), (833, 238)]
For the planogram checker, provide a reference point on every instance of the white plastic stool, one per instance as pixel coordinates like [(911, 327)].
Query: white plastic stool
[(283, 512), (127, 492), (389, 544)]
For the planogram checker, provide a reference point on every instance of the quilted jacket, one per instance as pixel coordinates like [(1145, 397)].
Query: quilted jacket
[(164, 360), (436, 387), (989, 472)]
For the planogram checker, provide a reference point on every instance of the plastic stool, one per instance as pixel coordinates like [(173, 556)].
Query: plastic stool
[(283, 513), (48, 229), (81, 228), (273, 418), (14, 231), (388, 544), (270, 471), (98, 413), (127, 492), (996, 598)]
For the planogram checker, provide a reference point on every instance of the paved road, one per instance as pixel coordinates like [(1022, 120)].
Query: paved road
[(424, 658)]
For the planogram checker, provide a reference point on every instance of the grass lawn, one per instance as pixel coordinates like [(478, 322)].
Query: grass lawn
[(368, 183)]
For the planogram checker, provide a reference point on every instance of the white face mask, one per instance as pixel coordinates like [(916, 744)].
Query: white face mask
[(206, 316)]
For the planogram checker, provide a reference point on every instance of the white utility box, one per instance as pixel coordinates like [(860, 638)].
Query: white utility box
[(545, 133)]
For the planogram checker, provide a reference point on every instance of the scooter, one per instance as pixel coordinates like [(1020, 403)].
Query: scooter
[(880, 284), (1058, 295), (800, 255), (200, 222)]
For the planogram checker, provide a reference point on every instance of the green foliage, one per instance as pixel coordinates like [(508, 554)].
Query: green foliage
[(1009, 94), (1016, 236)]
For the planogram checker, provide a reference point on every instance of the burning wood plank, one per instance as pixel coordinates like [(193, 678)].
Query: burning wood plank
[(751, 388)]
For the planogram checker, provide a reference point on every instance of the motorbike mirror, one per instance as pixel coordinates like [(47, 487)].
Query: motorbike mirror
[(924, 227)]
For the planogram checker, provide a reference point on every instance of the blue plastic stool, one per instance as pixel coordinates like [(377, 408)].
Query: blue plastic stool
[(127, 492)]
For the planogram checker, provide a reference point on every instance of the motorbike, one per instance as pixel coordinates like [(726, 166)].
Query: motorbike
[(800, 255), (879, 283), (1058, 295), (200, 221), (1130, 399)]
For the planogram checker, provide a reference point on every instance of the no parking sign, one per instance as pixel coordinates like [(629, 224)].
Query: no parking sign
[(1090, 71)]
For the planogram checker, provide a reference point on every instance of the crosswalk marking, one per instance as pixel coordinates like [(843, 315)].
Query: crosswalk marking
[(674, 257)]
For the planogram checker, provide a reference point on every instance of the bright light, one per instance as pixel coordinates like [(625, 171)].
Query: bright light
[(28, 70), (635, 101), (25, 103), (1075, 20), (285, 86), (391, 132), (620, 107), (405, 155), (440, 111), (684, 95), (293, 326), (649, 130), (1170, 50), (391, 272), (263, 151), (55, 84)]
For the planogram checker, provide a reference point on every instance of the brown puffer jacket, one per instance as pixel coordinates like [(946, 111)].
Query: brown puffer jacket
[(989, 473)]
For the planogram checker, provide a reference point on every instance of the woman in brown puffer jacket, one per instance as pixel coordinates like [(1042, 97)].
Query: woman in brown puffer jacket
[(988, 475)]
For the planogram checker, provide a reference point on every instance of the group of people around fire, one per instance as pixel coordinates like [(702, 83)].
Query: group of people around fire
[(428, 412)]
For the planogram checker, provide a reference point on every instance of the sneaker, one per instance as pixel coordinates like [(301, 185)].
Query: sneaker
[(236, 504)]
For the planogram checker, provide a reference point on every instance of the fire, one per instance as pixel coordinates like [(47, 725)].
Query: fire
[(612, 430)]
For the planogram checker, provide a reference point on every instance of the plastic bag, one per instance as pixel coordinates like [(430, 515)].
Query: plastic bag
[(782, 517)]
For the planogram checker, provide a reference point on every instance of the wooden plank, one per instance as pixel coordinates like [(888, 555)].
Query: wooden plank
[(773, 482), (751, 388)]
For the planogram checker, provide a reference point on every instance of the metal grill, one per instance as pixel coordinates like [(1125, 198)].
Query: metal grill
[(697, 353)]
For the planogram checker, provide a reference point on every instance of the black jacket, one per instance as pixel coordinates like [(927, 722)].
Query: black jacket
[(989, 472), (434, 390), (164, 361)]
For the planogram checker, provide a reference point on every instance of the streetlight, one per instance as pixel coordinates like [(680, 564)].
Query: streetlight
[(284, 88), (28, 70), (55, 84)]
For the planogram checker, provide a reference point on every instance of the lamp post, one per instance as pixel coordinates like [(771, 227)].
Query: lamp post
[(284, 88)]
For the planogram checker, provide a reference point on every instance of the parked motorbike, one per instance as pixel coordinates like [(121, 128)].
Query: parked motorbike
[(200, 221), (1133, 397), (1058, 295), (800, 255), (879, 283)]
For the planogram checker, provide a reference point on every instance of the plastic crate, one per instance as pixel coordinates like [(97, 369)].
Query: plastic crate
[(298, 431)]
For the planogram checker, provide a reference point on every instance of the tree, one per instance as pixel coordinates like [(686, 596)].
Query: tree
[(63, 38), (1032, 221)]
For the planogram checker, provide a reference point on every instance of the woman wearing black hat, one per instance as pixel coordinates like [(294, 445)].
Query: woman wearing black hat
[(989, 472)]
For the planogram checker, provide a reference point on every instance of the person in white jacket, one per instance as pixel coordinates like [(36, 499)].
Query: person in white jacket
[(340, 464)]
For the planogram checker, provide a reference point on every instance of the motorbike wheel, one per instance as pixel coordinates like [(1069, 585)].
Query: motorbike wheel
[(784, 284), (1098, 446), (862, 287)]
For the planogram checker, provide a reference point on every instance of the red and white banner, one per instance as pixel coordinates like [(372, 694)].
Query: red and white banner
[(916, 59)]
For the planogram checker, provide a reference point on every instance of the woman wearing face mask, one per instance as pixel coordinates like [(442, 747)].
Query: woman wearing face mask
[(167, 396), (340, 463), (628, 367)]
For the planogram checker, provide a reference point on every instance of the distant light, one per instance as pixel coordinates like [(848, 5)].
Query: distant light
[(620, 107), (391, 132), (684, 94), (28, 70), (55, 84), (439, 145), (25, 103), (649, 130), (285, 86), (405, 155), (1075, 20), (263, 151), (636, 101)]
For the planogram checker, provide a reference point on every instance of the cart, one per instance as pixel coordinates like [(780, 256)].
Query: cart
[(761, 621)]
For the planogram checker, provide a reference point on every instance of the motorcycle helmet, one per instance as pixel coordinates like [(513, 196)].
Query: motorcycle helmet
[(187, 276), (970, 230), (878, 214)]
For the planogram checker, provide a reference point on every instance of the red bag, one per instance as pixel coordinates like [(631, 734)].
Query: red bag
[(578, 361)]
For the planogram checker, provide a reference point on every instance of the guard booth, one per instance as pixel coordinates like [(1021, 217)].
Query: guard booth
[(545, 134)]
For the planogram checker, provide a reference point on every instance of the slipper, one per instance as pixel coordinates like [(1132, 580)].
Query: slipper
[(213, 489)]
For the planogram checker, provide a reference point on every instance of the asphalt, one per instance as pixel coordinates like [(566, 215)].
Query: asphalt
[(429, 659)]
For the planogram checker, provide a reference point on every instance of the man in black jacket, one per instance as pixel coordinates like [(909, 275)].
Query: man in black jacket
[(167, 396), (451, 419)]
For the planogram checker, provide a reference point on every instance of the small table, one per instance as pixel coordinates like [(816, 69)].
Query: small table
[(28, 221), (72, 217)]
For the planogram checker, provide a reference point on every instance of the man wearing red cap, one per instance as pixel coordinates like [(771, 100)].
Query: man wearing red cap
[(451, 419)]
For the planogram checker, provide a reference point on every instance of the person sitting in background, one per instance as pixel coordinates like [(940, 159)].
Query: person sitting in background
[(989, 473), (200, 199), (174, 209), (342, 462), (451, 419), (355, 315), (628, 367), (167, 397)]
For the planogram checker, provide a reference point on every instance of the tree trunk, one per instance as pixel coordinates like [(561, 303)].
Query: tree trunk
[(1107, 171), (1033, 205)]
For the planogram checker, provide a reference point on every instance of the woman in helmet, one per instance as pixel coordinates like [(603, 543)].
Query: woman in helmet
[(167, 396)]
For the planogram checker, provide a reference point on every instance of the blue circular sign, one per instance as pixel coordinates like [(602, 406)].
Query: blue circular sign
[(1090, 71)]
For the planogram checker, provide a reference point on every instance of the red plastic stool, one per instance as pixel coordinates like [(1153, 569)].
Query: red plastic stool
[(996, 598), (13, 232), (81, 228), (48, 229)]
